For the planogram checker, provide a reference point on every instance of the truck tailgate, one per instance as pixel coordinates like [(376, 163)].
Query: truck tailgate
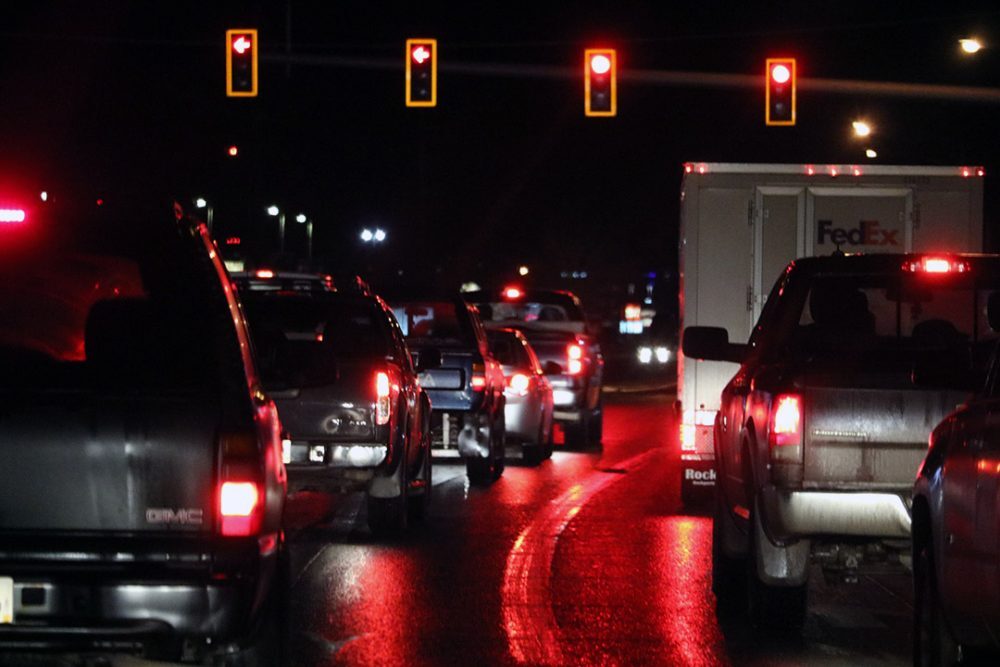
[(869, 438), (80, 462)]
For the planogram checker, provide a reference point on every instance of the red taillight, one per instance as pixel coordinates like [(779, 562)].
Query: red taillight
[(383, 403), (478, 382), (519, 383), (574, 355), (265, 273), (512, 293), (239, 504), (786, 421), (932, 264)]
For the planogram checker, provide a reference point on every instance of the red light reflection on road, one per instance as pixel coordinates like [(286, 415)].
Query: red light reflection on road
[(689, 625)]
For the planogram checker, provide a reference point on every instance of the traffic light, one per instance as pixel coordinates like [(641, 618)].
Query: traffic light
[(421, 72), (241, 63), (600, 73), (779, 108)]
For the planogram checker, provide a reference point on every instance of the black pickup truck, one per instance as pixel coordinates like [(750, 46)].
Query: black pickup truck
[(142, 488)]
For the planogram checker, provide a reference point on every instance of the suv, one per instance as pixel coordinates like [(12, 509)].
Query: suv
[(554, 324), (354, 414), (465, 383), (142, 486), (853, 361)]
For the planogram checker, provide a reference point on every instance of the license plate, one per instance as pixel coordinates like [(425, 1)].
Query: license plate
[(6, 600)]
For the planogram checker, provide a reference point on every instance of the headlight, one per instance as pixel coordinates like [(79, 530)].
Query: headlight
[(662, 355), (645, 355)]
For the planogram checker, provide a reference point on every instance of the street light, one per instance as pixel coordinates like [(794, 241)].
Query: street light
[(201, 202), (367, 235), (302, 219), (379, 235), (970, 45), (861, 128), (273, 211), (871, 153)]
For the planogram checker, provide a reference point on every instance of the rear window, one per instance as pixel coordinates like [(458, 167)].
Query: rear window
[(108, 306), (304, 338), (530, 312), (886, 322), (509, 351), (435, 322)]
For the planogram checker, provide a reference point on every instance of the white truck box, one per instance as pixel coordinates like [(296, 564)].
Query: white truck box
[(741, 224)]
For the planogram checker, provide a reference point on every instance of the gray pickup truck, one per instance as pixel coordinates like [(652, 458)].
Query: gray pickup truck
[(852, 363)]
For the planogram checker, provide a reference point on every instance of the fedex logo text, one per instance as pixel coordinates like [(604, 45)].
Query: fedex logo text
[(867, 232)]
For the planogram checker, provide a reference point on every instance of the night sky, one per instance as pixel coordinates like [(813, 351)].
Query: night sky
[(506, 170)]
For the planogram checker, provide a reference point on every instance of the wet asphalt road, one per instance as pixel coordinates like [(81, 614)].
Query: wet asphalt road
[(589, 559)]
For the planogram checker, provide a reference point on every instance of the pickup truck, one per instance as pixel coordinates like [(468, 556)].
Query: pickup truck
[(852, 363)]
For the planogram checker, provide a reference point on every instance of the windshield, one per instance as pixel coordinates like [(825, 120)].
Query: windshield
[(300, 341)]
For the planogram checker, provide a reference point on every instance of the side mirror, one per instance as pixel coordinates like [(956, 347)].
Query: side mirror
[(428, 358), (711, 343), (551, 368)]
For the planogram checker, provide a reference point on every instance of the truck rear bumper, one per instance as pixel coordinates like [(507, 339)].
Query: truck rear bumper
[(795, 514)]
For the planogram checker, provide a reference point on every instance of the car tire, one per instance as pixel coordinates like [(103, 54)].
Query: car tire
[(729, 575), (270, 639), (773, 609), (390, 516), (418, 503), (933, 643)]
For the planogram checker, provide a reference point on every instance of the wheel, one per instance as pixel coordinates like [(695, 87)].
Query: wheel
[(933, 643), (269, 639), (729, 575), (418, 503), (388, 516), (777, 609)]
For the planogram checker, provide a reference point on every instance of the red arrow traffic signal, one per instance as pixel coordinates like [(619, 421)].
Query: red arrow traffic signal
[(241, 63)]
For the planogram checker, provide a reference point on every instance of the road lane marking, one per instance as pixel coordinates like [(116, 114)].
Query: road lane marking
[(526, 602)]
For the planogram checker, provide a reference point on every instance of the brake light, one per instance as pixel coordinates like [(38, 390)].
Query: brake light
[(383, 404), (264, 273), (239, 504), (12, 215), (519, 383), (786, 421), (478, 382), (512, 293), (932, 264), (574, 354)]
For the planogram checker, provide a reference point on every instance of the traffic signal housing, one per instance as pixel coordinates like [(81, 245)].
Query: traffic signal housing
[(779, 105), (421, 72), (241, 62), (600, 75)]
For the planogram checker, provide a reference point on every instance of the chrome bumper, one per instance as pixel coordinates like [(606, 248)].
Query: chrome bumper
[(794, 514)]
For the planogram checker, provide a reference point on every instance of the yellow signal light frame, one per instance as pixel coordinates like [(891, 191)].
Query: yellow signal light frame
[(433, 45), (790, 62), (612, 55), (252, 34)]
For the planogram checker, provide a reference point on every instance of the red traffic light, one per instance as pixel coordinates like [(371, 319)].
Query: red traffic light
[(779, 102), (421, 72), (241, 63), (600, 82)]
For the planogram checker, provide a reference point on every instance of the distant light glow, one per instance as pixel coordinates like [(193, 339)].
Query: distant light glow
[(265, 273), (871, 153), (780, 74), (44, 195), (970, 45), (512, 293), (367, 235), (200, 202), (272, 210), (233, 151), (662, 354), (379, 235), (301, 217), (600, 64), (861, 128), (523, 270)]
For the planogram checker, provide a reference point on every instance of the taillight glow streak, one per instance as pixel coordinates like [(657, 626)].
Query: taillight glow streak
[(12, 215)]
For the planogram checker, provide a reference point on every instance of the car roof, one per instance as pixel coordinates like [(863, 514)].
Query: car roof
[(534, 295), (884, 262)]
